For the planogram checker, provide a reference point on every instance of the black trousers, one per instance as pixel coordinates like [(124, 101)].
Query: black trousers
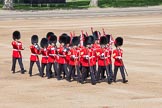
[(72, 70), (110, 71), (14, 64), (121, 71), (47, 67), (85, 70), (101, 72), (31, 67), (55, 68), (62, 68)]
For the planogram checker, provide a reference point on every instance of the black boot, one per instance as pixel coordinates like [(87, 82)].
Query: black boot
[(124, 80), (23, 71)]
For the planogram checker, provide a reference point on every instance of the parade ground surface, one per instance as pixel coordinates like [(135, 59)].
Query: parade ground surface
[(142, 35)]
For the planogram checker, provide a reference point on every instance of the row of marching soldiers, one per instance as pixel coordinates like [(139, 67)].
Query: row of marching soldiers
[(76, 58)]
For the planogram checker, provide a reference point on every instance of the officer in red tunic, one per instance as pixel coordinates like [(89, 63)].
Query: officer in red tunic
[(103, 60), (44, 61), (35, 51), (117, 55), (87, 62), (16, 55), (62, 61), (74, 59), (52, 51)]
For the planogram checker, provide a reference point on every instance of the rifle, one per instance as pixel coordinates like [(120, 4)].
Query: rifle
[(103, 31), (92, 30)]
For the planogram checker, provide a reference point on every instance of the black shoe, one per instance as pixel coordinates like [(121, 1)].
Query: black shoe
[(109, 81), (30, 75), (125, 81), (93, 83), (23, 71), (82, 82)]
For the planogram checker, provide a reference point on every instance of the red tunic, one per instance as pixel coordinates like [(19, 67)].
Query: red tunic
[(68, 56), (74, 57), (62, 55), (101, 60), (95, 48), (116, 54), (110, 49), (17, 47), (52, 54), (44, 53), (35, 52), (87, 52)]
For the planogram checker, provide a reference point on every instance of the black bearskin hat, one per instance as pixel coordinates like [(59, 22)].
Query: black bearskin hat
[(103, 40), (63, 38), (44, 42), (53, 39), (75, 40), (16, 35), (34, 39), (89, 40), (108, 37), (118, 41), (96, 35), (68, 39), (49, 34)]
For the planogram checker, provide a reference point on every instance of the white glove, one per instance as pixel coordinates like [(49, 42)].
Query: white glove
[(65, 50), (73, 56), (102, 55), (87, 56), (119, 57)]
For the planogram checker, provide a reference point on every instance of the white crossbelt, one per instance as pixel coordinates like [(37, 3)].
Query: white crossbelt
[(15, 50)]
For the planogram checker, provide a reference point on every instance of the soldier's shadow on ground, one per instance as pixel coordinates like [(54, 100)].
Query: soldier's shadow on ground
[(37, 74), (104, 80), (19, 71)]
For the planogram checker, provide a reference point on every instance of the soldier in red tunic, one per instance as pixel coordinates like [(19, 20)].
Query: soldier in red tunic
[(109, 48), (74, 59), (87, 54), (95, 46), (16, 55), (117, 55), (35, 51), (62, 61), (44, 61), (52, 51), (103, 60)]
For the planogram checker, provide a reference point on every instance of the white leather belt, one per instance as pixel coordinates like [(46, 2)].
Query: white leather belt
[(44, 56), (15, 50), (34, 54)]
